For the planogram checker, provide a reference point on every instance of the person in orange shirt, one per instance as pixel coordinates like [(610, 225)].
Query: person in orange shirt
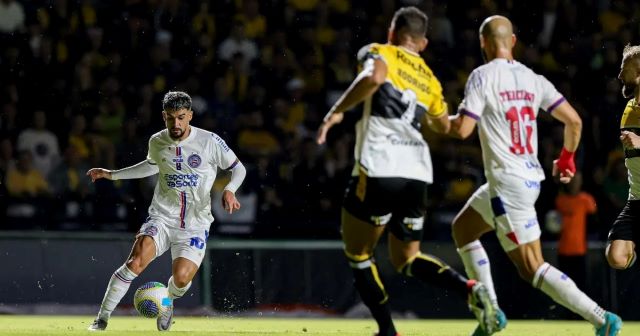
[(574, 206)]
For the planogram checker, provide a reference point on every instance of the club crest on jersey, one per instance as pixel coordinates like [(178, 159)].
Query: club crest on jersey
[(194, 160)]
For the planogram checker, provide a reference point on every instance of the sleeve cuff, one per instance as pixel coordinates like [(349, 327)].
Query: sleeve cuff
[(555, 104), (469, 113)]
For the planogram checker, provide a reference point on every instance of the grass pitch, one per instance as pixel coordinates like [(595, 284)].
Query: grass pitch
[(195, 326)]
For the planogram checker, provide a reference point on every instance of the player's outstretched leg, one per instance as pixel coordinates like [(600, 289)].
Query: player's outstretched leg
[(179, 283), (368, 284), (117, 288), (141, 255), (467, 228), (432, 270)]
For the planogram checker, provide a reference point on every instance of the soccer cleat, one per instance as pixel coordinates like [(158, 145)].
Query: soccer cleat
[(481, 306), (501, 318), (612, 325), (378, 334), (165, 318), (98, 325)]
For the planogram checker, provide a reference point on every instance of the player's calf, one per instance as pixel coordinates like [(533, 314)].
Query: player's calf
[(620, 256)]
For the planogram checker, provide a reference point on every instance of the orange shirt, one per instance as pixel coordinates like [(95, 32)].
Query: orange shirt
[(574, 210)]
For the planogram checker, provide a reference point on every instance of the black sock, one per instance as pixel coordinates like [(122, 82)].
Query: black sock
[(372, 292), (432, 270)]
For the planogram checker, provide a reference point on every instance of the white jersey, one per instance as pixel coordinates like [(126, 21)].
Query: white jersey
[(187, 170), (504, 97)]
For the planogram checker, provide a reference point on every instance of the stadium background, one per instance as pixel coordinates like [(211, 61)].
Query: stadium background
[(81, 84)]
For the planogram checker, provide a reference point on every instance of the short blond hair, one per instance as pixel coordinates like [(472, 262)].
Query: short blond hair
[(630, 51)]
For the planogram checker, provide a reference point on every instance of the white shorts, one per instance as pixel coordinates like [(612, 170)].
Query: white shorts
[(184, 243), (508, 206)]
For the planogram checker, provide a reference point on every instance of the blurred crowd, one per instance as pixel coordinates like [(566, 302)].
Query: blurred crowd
[(81, 85)]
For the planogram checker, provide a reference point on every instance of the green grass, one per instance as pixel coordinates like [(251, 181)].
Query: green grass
[(194, 326)]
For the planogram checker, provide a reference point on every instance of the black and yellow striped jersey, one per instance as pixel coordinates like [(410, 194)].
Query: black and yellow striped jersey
[(389, 142), (630, 121)]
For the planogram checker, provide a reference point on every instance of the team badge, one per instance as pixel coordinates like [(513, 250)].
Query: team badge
[(194, 161)]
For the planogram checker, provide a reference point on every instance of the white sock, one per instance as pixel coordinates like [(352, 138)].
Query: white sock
[(477, 265), (565, 292), (117, 288), (174, 291)]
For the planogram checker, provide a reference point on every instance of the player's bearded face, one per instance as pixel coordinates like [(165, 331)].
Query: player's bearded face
[(177, 122)]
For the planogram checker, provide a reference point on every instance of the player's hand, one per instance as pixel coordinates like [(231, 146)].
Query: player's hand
[(630, 139), (334, 118), (229, 201), (566, 176), (98, 173)]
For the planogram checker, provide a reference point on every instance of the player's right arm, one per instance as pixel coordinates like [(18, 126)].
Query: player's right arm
[(139, 170), (142, 169), (373, 74)]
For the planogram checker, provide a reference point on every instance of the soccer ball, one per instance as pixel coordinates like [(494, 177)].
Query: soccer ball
[(151, 299)]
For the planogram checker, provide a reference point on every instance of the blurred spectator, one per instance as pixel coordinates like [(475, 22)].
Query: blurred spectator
[(24, 181), (11, 16), (68, 180), (254, 139), (237, 42), (574, 205), (204, 22), (255, 24), (7, 161), (42, 144)]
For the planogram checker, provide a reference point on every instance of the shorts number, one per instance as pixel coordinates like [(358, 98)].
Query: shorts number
[(521, 126)]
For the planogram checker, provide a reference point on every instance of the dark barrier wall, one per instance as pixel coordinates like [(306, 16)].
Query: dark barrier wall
[(311, 276)]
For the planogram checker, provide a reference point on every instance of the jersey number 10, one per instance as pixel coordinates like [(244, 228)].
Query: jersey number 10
[(521, 126)]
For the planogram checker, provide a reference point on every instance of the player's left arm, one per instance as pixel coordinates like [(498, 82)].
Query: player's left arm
[(238, 173), (226, 159), (565, 165)]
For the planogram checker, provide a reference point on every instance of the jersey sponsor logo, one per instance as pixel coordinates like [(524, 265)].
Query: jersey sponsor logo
[(416, 67), (531, 223), (197, 242), (194, 160), (532, 184), (150, 231), (181, 180), (531, 165), (396, 140), (221, 142)]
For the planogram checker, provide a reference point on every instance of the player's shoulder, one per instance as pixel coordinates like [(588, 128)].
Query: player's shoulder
[(160, 136), (215, 139), (372, 50)]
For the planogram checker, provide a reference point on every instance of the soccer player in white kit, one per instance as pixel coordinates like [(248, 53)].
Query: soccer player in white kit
[(503, 97), (186, 159)]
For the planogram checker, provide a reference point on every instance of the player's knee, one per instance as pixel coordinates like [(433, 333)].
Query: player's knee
[(181, 278), (136, 264)]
